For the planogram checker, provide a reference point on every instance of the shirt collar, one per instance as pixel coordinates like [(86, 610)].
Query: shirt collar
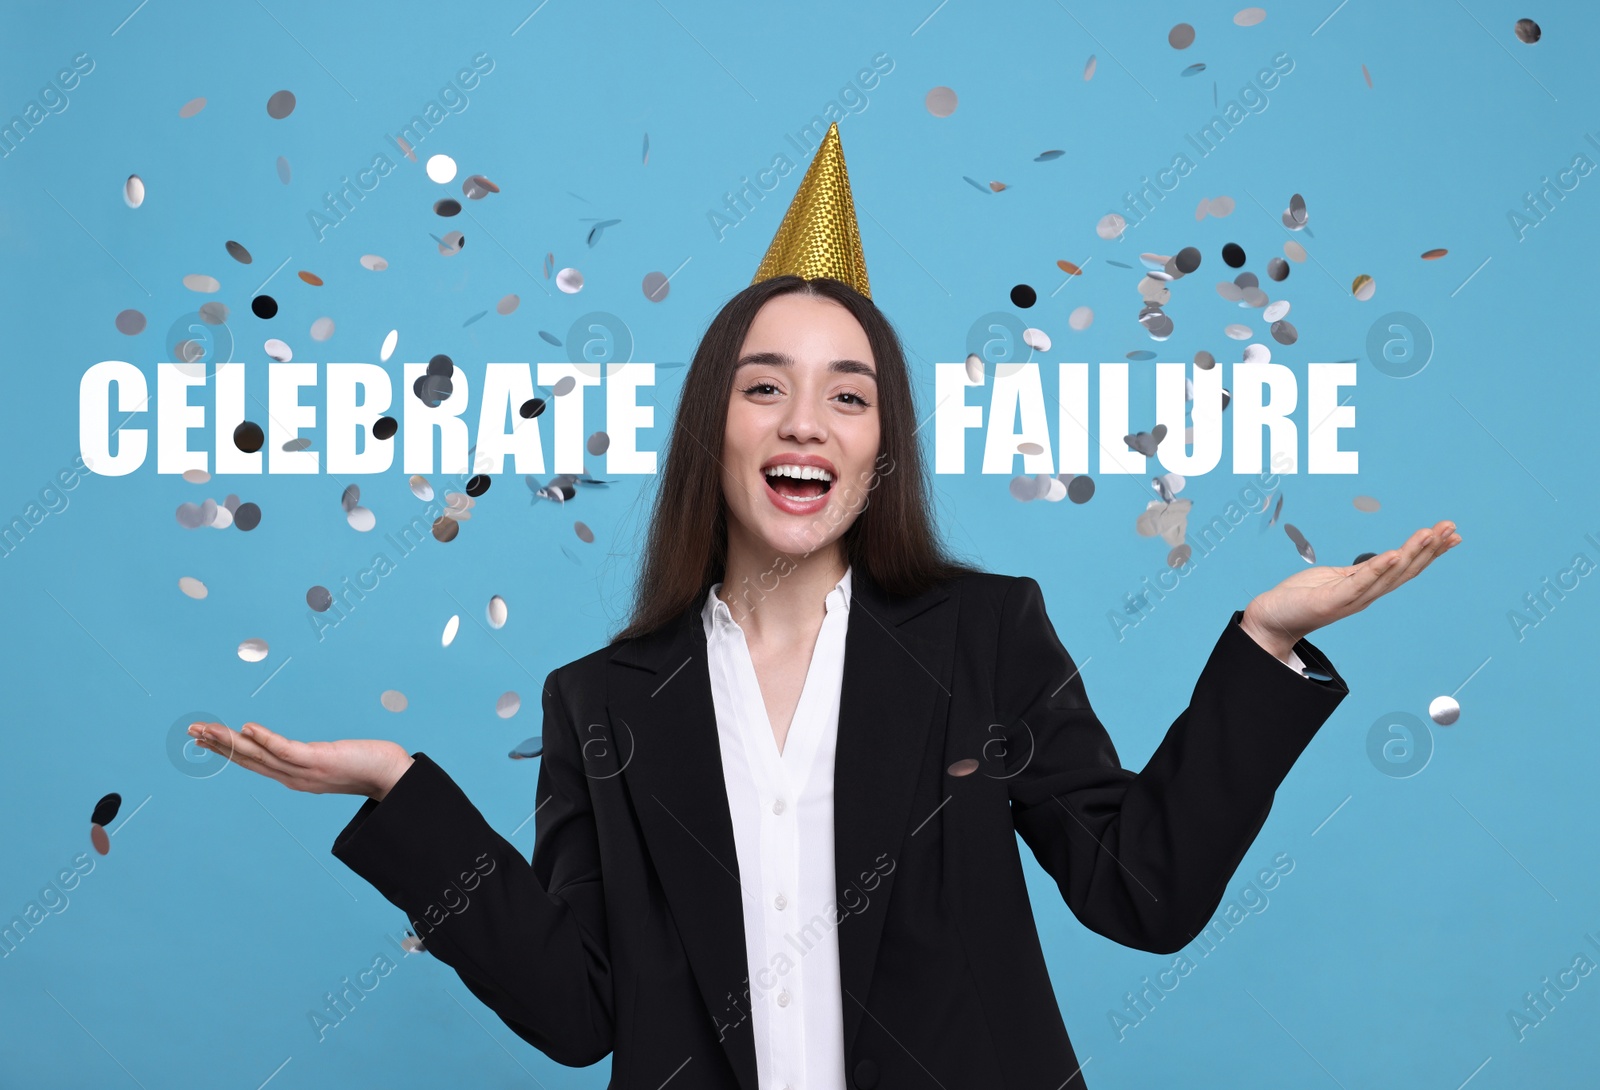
[(715, 611)]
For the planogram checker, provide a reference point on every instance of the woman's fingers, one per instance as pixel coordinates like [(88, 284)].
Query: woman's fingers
[(1409, 560), (240, 749)]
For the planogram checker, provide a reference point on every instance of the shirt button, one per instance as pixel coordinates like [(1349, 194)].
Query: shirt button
[(783, 998), (777, 806)]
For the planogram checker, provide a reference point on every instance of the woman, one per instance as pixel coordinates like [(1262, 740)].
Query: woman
[(777, 815)]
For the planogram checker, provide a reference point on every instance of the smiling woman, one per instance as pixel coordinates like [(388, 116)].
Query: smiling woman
[(716, 790)]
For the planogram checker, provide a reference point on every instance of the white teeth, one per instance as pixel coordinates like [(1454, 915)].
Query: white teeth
[(803, 473)]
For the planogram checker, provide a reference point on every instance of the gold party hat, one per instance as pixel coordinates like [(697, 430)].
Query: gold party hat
[(818, 235)]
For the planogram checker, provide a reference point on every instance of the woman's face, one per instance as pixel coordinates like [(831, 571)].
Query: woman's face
[(805, 397)]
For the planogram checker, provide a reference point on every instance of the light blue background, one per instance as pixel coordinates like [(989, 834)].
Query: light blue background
[(1416, 916)]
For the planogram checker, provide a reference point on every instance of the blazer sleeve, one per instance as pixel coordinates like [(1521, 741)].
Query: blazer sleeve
[(1144, 858), (529, 939)]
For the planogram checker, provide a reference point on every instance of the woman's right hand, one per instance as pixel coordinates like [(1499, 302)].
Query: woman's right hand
[(350, 766)]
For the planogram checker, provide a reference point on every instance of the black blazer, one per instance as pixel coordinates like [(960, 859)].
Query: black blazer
[(962, 723)]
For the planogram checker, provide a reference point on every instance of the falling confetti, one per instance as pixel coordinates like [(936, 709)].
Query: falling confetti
[(130, 322), (1444, 710), (941, 101), (655, 287), (1527, 31), (280, 105), (1249, 16), (393, 700), (192, 107), (569, 281), (441, 169), (253, 650), (1181, 36), (496, 612), (133, 191), (508, 705)]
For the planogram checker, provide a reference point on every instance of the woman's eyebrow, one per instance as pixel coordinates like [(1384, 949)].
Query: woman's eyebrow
[(782, 359)]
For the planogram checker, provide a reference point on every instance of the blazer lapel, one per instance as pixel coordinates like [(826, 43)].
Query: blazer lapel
[(898, 654)]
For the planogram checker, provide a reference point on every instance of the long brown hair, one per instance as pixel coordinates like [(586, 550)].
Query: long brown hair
[(892, 539)]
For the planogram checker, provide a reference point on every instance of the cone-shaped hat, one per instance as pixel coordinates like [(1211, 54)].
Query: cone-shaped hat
[(818, 235)]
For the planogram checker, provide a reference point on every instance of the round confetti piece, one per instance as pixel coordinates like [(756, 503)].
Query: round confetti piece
[(441, 168), (507, 304), (280, 105), (1181, 36), (1365, 503), (564, 385), (478, 484), (1036, 339), (531, 408), (508, 705), (1081, 318), (1088, 69), (1294, 251), (373, 262), (1238, 332), (445, 528), (1444, 710), (131, 322), (551, 338), (389, 343), (133, 191), (1194, 69), (530, 748), (1433, 255), (214, 312), (361, 519), (452, 243), (569, 281), (496, 612), (319, 598), (310, 278), (253, 650), (1527, 31), (238, 252), (393, 700), (247, 517), (222, 520), (192, 587), (201, 283), (447, 207), (597, 443), (196, 476), (98, 837), (941, 102), (385, 427), (248, 437), (264, 306), (192, 107), (1069, 268), (1363, 287), (1110, 226), (655, 287), (1277, 268), (451, 627), (478, 187), (105, 811), (278, 351), (1233, 255), (1249, 16), (322, 329), (1022, 295), (585, 534), (420, 487), (284, 173)]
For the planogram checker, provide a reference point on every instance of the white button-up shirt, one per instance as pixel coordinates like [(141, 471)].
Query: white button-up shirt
[(782, 810)]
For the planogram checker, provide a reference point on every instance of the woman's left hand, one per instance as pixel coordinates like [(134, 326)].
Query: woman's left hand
[(1310, 599)]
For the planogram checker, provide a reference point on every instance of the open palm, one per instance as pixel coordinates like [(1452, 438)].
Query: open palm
[(349, 766), (1314, 597)]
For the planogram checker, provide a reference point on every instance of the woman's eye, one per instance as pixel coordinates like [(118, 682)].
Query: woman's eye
[(859, 399), (760, 387)]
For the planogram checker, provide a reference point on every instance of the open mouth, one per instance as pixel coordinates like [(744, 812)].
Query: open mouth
[(800, 483)]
